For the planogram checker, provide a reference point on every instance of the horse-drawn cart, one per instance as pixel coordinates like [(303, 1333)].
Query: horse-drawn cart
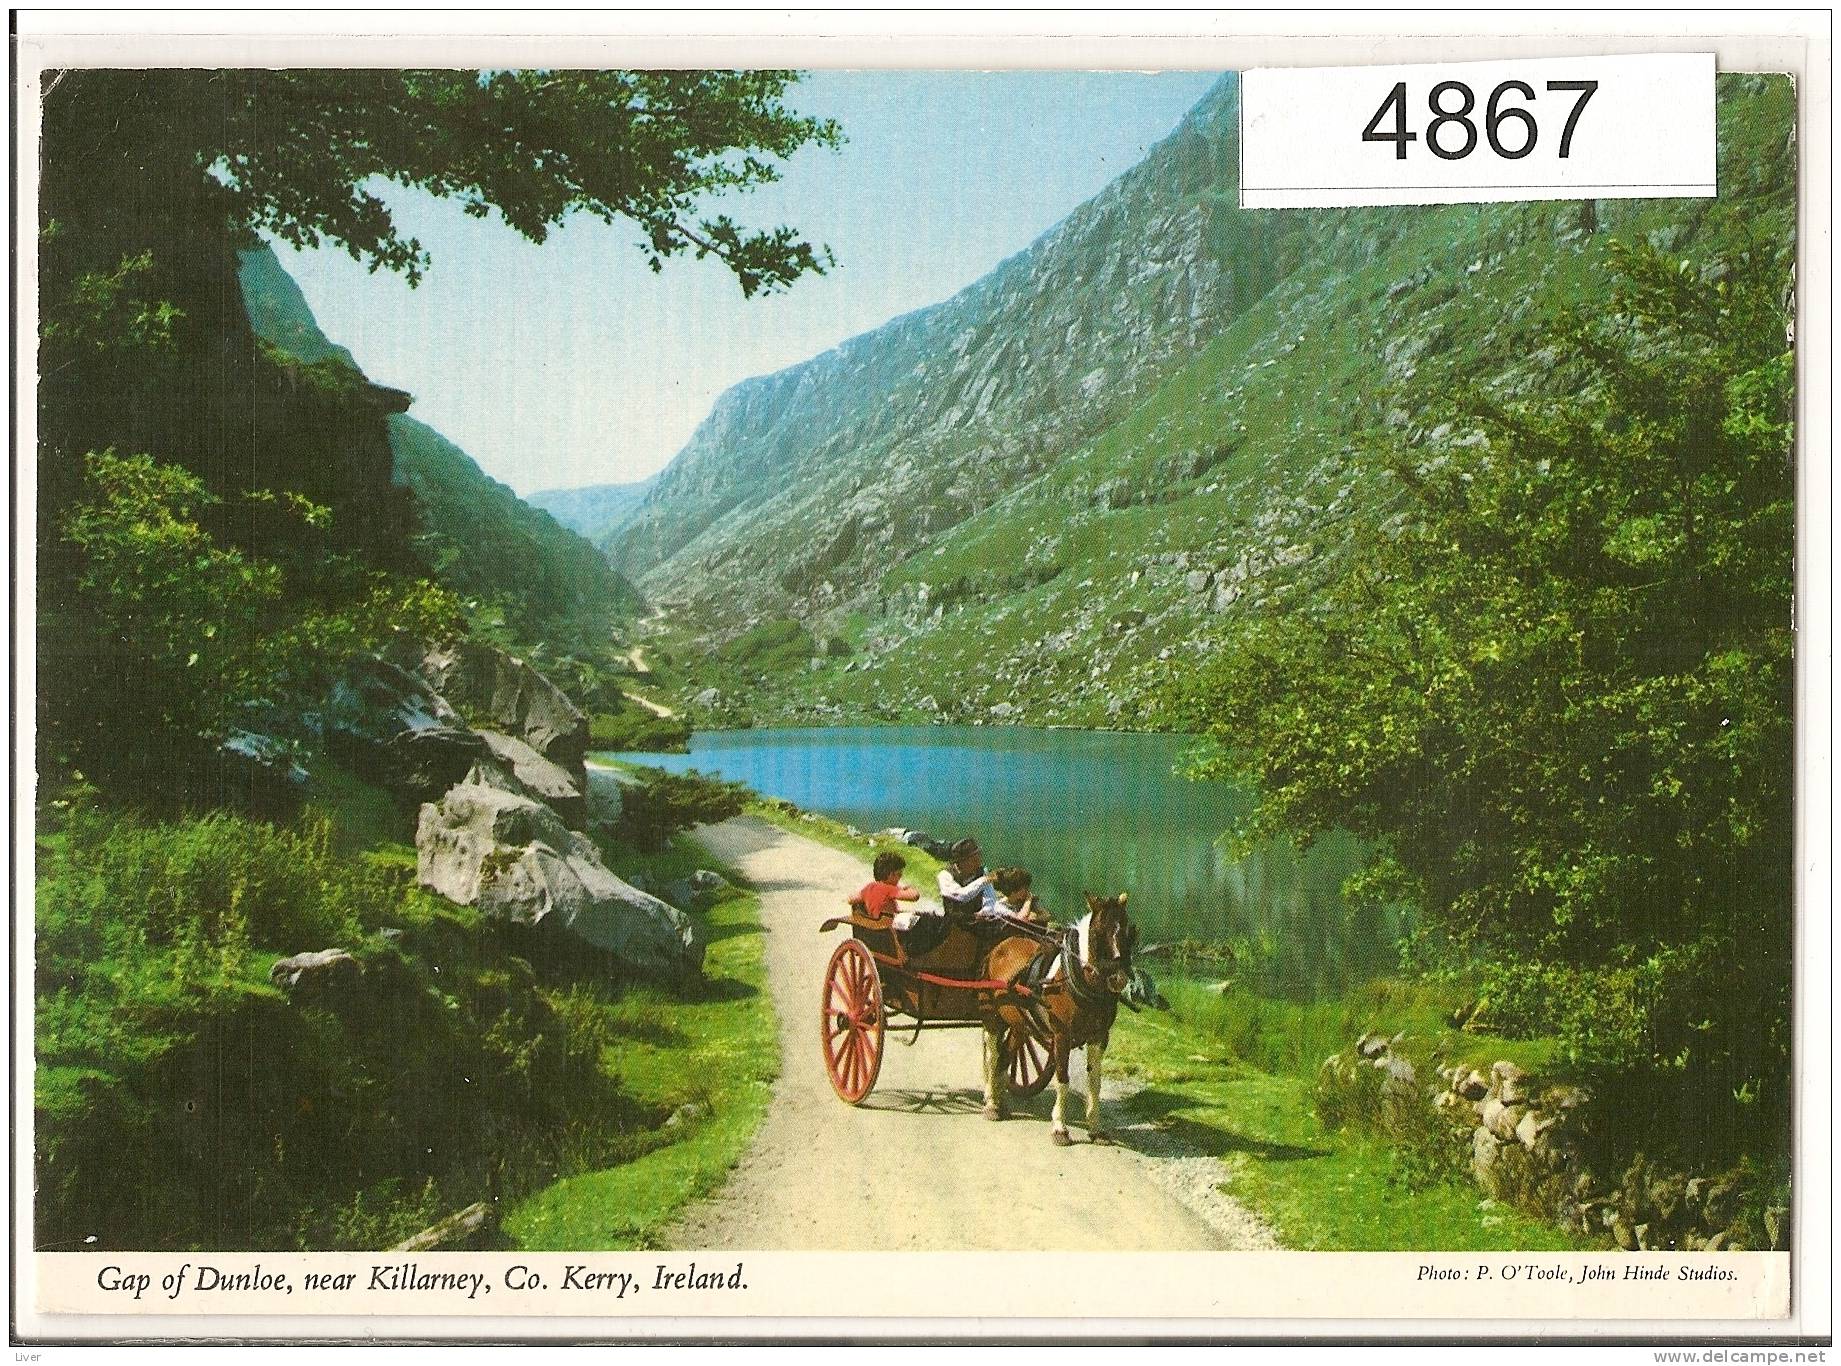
[(872, 981)]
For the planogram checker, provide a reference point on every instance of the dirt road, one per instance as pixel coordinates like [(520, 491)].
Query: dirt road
[(916, 1167), (656, 708)]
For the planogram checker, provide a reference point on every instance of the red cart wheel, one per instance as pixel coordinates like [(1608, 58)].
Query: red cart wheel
[(850, 1022), (1026, 1060)]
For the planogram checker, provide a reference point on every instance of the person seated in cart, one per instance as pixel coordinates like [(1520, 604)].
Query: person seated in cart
[(920, 932), (886, 887), (1015, 901), (965, 887)]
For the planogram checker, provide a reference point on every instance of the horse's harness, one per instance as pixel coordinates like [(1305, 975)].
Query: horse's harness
[(1063, 946)]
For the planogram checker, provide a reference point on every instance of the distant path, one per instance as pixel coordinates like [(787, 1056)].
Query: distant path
[(916, 1167), (657, 709)]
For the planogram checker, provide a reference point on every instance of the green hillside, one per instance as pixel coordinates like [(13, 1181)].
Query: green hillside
[(476, 534)]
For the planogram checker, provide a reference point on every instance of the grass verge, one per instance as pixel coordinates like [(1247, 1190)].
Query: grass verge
[(1319, 1188), (922, 868), (709, 1058)]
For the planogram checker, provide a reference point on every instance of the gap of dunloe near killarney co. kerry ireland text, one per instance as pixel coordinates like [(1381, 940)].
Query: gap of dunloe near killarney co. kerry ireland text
[(709, 659)]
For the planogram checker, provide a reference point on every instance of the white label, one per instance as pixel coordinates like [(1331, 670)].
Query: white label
[(1637, 127)]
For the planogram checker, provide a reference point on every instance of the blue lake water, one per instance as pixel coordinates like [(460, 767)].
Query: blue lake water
[(1093, 810)]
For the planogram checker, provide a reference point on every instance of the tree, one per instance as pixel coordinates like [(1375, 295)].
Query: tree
[(1550, 677), (294, 153), (184, 571)]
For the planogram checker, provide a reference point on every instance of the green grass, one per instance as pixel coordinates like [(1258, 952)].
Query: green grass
[(1319, 1189), (714, 1051)]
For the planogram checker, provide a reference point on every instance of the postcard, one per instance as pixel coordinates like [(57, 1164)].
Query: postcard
[(777, 677)]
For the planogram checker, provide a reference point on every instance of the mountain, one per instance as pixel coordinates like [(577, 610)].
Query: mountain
[(597, 511), (1026, 501), (279, 312), (477, 535), (485, 541)]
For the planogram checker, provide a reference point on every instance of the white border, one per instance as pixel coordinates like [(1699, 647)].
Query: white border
[(1767, 41)]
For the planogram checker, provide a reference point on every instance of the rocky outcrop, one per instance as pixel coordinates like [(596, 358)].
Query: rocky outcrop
[(513, 860), (536, 777), (394, 729), (325, 970), (503, 808), (1532, 1145), (504, 694), (768, 502)]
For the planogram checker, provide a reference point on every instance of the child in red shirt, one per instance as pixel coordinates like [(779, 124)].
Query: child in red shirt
[(880, 896)]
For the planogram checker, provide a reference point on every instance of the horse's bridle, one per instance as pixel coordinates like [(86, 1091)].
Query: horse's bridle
[(1091, 991)]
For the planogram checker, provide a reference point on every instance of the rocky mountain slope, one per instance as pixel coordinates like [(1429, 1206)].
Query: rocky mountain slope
[(1027, 501)]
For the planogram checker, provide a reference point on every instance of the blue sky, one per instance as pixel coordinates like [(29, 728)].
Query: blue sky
[(571, 363)]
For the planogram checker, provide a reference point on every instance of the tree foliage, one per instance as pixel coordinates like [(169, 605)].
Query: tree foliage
[(296, 152), (170, 637), (1551, 677)]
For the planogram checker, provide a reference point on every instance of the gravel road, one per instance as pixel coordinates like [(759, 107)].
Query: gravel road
[(915, 1167)]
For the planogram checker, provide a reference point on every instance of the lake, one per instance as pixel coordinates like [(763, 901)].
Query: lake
[(1095, 810)]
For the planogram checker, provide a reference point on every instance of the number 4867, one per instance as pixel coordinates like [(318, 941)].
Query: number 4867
[(1452, 103)]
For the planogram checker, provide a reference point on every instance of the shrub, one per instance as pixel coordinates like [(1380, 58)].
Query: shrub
[(639, 731), (182, 1101), (665, 803)]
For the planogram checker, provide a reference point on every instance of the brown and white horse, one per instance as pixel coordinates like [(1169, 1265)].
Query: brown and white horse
[(1075, 1006)]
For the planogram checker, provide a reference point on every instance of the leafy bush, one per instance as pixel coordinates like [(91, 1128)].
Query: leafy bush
[(201, 894), (143, 595), (1550, 679), (665, 803), (182, 1101), (638, 730)]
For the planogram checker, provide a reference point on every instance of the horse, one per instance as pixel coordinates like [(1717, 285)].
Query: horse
[(1075, 1005)]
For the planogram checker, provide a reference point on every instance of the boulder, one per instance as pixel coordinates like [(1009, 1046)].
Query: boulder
[(507, 695), (604, 801), (1370, 1046), (1531, 1128), (685, 891), (1485, 1151), (1568, 1097), (548, 783), (1473, 1086), (1501, 1119), (396, 730), (1511, 1083), (257, 773), (315, 971), (512, 859)]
